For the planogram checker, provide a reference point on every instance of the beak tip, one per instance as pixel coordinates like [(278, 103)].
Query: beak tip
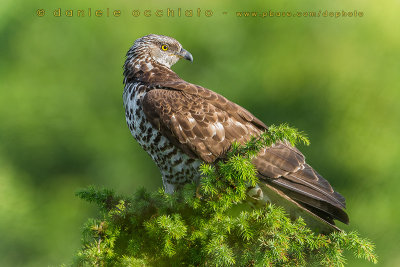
[(186, 55), (189, 57)]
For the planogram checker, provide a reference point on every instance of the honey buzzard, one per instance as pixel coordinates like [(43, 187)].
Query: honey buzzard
[(181, 125)]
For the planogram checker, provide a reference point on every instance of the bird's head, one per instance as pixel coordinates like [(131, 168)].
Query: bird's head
[(162, 49)]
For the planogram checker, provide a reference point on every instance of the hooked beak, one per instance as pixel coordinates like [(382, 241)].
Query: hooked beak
[(186, 55)]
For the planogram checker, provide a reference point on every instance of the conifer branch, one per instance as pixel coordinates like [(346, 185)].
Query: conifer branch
[(193, 227)]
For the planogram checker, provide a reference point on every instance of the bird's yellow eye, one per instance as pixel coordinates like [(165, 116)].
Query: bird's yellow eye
[(164, 47)]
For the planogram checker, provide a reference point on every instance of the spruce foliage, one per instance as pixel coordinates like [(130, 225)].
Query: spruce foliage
[(196, 226)]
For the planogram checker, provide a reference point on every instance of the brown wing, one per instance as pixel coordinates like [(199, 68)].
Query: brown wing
[(294, 177), (204, 124), (201, 127)]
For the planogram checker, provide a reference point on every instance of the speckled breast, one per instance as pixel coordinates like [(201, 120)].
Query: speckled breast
[(176, 167)]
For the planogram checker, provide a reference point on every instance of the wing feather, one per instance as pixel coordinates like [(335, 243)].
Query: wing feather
[(197, 124), (204, 124)]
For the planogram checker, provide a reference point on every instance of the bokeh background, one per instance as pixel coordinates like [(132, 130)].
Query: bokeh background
[(62, 124)]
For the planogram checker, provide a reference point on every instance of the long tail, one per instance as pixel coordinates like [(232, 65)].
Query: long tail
[(283, 167)]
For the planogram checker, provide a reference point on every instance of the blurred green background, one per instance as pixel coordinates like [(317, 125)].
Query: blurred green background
[(63, 126)]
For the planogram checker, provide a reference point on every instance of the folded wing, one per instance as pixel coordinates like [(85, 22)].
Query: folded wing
[(204, 124)]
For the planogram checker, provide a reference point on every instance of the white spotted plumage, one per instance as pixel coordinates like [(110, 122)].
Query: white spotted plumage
[(176, 167)]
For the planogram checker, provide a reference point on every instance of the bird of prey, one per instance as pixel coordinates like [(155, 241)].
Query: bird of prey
[(181, 125)]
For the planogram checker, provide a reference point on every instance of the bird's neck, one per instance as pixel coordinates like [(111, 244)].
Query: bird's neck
[(145, 69)]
